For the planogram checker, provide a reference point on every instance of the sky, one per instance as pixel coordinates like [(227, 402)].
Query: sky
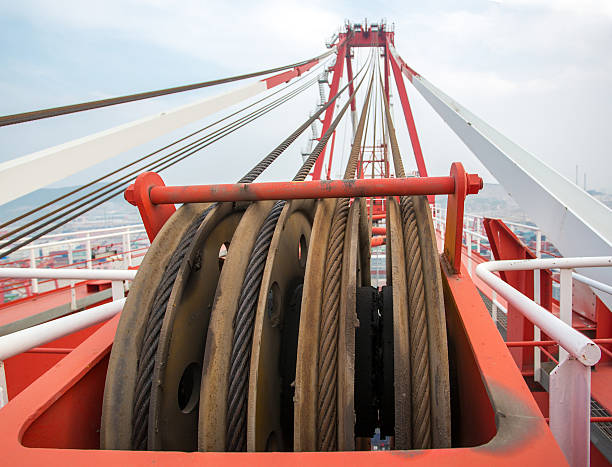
[(539, 71)]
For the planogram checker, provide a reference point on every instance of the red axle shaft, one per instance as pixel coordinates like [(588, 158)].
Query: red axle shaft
[(302, 190)]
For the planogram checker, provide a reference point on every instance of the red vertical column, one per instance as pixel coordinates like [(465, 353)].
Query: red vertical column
[(349, 76), (386, 56), (329, 113), (414, 137)]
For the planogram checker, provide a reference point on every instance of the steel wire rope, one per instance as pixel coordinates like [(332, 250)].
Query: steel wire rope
[(68, 109), (247, 302), (198, 144), (420, 437), (155, 319), (118, 190), (38, 208), (327, 414)]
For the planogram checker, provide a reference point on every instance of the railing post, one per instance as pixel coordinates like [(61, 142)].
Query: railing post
[(117, 290), (537, 360), (468, 242), (3, 388), (33, 265), (565, 304), (570, 409), (73, 303), (129, 248), (88, 252), (494, 307)]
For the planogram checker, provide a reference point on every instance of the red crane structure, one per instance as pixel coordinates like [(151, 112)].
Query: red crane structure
[(306, 321)]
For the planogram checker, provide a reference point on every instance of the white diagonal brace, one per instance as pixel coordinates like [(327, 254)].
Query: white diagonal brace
[(33, 171), (577, 223)]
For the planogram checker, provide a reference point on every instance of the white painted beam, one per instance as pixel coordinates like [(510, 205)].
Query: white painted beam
[(577, 223), (33, 171)]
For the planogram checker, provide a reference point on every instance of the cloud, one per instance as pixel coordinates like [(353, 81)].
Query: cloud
[(538, 70)]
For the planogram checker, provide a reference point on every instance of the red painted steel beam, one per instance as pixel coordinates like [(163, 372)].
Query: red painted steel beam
[(349, 77), (465, 184), (414, 137), (505, 245), (160, 195), (329, 113), (386, 56), (289, 75), (379, 230)]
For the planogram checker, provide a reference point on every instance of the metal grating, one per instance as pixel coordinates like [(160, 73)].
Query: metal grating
[(502, 319), (597, 410)]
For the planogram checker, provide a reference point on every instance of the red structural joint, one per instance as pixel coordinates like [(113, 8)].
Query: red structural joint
[(138, 194), (303, 190), (288, 75)]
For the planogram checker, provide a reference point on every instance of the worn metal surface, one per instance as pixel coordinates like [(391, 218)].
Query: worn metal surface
[(347, 322), (269, 417), (116, 426), (306, 372), (520, 437), (396, 271), (152, 329), (173, 411), (302, 190), (215, 367)]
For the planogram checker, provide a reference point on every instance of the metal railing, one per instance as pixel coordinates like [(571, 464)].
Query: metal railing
[(570, 381), (29, 338), (81, 243)]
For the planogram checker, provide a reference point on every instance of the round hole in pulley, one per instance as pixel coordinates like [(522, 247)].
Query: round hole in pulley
[(189, 388), (302, 251)]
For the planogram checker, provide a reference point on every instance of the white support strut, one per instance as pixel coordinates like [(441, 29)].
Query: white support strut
[(577, 223), (25, 174)]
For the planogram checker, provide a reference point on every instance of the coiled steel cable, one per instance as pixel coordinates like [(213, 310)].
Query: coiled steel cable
[(140, 414), (327, 418), (417, 310), (247, 305)]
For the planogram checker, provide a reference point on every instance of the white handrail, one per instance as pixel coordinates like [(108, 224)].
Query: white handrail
[(570, 381), (576, 343), (593, 283), (26, 339), (37, 246), (35, 336), (69, 273), (90, 231)]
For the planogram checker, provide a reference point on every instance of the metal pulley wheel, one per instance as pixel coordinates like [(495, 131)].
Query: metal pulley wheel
[(116, 425), (152, 391), (350, 255), (175, 395)]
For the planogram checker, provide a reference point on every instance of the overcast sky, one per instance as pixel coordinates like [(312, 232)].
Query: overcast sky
[(537, 70)]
